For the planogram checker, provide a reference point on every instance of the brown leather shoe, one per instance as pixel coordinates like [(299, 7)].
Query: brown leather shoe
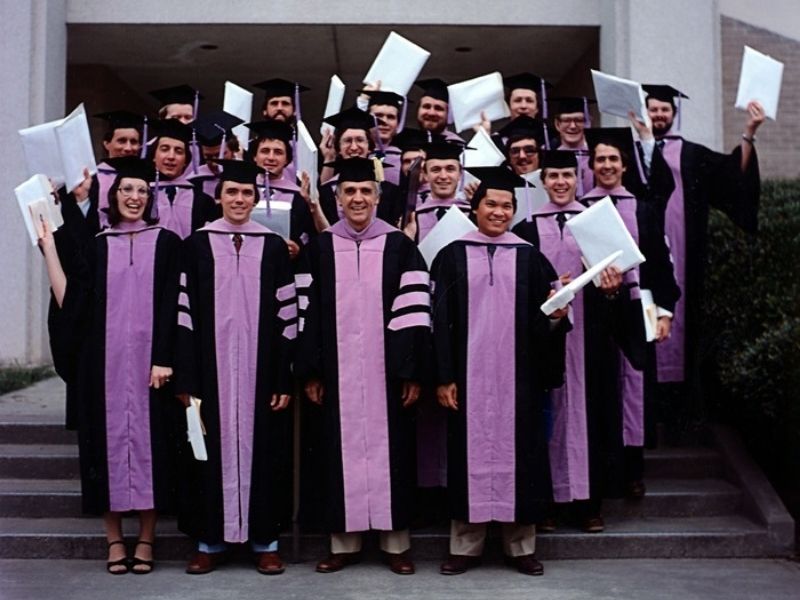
[(400, 563), (593, 524), (636, 489), (202, 562), (457, 564), (269, 563), (526, 564), (546, 525), (337, 562)]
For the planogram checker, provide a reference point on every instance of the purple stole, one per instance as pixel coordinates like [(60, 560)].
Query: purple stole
[(207, 178), (176, 216)]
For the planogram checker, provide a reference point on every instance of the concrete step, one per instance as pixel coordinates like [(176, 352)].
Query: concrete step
[(683, 463), (32, 431), (679, 498), (39, 461), (34, 498), (706, 537)]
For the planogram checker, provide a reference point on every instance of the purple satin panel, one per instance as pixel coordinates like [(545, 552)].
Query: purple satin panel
[(176, 216), (105, 179), (208, 178), (491, 389), (237, 294), (569, 452), (670, 353), (128, 340), (362, 383), (391, 168)]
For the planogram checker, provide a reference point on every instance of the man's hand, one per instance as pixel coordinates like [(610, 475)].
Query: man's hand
[(159, 376), (755, 117), (314, 390), (410, 393), (610, 280), (448, 395), (183, 399), (645, 133), (663, 325), (485, 124), (561, 312), (279, 401), (326, 146), (81, 191), (294, 249), (470, 189)]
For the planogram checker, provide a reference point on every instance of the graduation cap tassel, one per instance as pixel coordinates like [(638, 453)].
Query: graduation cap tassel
[(154, 205), (267, 193), (221, 154), (196, 106), (678, 116), (544, 98), (143, 151), (639, 164), (403, 115), (546, 136), (297, 114), (195, 151), (461, 177), (381, 146), (580, 191), (528, 207), (586, 119)]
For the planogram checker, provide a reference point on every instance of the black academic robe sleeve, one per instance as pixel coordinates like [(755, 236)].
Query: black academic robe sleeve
[(168, 250), (444, 278), (308, 363), (656, 273), (187, 354), (283, 346)]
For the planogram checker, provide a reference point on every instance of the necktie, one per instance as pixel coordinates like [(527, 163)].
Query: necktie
[(237, 242), (561, 218), (171, 190)]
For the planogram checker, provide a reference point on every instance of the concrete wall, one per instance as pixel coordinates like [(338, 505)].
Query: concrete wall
[(778, 16)]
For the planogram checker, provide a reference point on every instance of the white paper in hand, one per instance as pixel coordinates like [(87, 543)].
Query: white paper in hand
[(534, 193), (617, 96), (334, 104), (307, 158), (452, 226), (239, 103), (600, 231), (397, 65), (566, 294), (482, 151), (279, 219), (482, 94), (194, 429), (36, 203), (649, 314), (760, 80), (75, 147)]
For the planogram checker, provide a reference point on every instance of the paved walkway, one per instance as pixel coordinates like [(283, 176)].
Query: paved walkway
[(42, 402), (730, 579)]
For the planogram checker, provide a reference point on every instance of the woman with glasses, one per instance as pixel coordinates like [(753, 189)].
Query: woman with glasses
[(113, 318)]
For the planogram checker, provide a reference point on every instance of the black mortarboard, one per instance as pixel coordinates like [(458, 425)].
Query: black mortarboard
[(378, 97), (351, 118), (358, 169), (435, 88), (523, 127), (618, 137), (240, 171), (280, 87), (525, 81), (212, 126), (665, 93), (558, 159), (133, 166), (178, 94), (444, 150), (495, 178), (569, 104), (271, 129), (414, 139), (121, 119), (172, 128)]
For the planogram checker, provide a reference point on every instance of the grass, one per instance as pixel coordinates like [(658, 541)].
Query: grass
[(16, 378)]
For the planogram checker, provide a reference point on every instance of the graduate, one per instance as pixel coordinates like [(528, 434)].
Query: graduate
[(181, 206), (281, 101), (178, 102), (433, 109), (526, 94), (593, 313), (495, 353), (618, 429), (113, 323), (365, 305), (571, 118), (702, 179), (237, 321), (215, 137), (389, 111)]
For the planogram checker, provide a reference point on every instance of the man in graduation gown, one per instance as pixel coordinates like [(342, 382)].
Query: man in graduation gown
[(178, 102), (365, 305), (496, 352), (282, 99), (237, 319), (433, 110), (571, 118), (526, 95), (389, 111), (703, 179), (214, 132)]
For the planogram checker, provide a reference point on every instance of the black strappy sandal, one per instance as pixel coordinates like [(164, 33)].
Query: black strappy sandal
[(136, 562), (122, 562)]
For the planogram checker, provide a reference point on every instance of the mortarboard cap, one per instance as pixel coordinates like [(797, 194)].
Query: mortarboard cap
[(280, 87), (271, 129), (569, 104), (525, 81), (665, 93), (444, 150), (558, 159), (414, 139), (377, 97), (240, 171), (121, 119), (212, 126), (358, 169), (133, 166), (618, 137), (494, 178), (172, 128), (524, 127), (435, 88), (351, 118), (178, 94)]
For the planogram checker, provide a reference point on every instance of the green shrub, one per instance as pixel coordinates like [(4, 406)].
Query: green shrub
[(15, 377)]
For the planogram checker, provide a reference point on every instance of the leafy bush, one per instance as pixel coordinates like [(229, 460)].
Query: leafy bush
[(15, 377)]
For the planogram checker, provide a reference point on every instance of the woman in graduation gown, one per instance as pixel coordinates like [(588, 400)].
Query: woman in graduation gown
[(116, 306)]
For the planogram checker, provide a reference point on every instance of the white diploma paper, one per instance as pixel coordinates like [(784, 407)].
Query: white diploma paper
[(397, 65), (617, 96), (760, 80), (36, 203), (334, 104), (239, 102), (649, 314), (195, 429), (482, 151), (600, 231), (306, 159), (533, 193), (566, 294), (452, 226), (280, 218), (482, 94)]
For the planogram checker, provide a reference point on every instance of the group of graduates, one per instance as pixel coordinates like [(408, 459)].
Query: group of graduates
[(166, 284)]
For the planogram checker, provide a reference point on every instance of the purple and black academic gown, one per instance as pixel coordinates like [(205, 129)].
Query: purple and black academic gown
[(390, 207), (182, 207), (428, 214), (205, 180), (237, 319), (637, 359), (365, 329), (585, 174), (118, 316), (591, 316), (392, 159), (493, 341), (703, 179)]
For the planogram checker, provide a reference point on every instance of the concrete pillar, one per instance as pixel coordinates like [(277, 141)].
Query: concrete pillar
[(33, 46)]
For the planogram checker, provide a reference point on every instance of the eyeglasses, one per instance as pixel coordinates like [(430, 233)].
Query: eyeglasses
[(527, 150), (130, 190), (347, 141), (572, 120)]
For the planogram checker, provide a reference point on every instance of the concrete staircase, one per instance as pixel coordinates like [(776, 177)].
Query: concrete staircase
[(701, 502)]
